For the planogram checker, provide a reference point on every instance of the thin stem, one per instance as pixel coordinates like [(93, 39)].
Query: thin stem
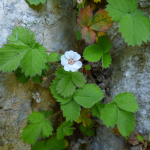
[(114, 37), (96, 84), (54, 114)]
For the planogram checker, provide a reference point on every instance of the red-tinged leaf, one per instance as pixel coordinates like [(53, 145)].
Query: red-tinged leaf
[(89, 35), (85, 17), (101, 21)]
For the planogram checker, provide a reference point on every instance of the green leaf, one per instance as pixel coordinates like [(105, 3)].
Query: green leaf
[(97, 109), (47, 114), (39, 146), (140, 138), (109, 114), (126, 122), (71, 110), (135, 29), (61, 73), (88, 96), (78, 79), (28, 55), (104, 44), (78, 35), (37, 79), (106, 60), (37, 122), (21, 77), (65, 87), (119, 8), (56, 144), (126, 101), (58, 97), (36, 2), (53, 57), (92, 53), (87, 130), (65, 129), (87, 67)]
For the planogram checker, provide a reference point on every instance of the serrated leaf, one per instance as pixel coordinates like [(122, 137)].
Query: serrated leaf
[(97, 109), (85, 17), (37, 79), (93, 53), (118, 8), (101, 21), (65, 87), (61, 73), (21, 77), (37, 123), (104, 44), (71, 110), (78, 79), (47, 114), (36, 2), (41, 145), (126, 122), (78, 35), (57, 144), (58, 97), (28, 55), (106, 60), (140, 138), (109, 114), (89, 35), (65, 129), (135, 29), (126, 101), (53, 57), (88, 96)]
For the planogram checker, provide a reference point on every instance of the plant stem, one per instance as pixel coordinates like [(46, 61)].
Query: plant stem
[(96, 84), (114, 37), (54, 114)]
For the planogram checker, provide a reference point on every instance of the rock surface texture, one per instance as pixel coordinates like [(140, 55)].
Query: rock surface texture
[(52, 24)]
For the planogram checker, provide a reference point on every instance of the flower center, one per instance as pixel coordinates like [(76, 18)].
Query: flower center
[(71, 61)]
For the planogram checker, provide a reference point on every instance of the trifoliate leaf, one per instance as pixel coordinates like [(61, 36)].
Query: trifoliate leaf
[(58, 97), (65, 129), (39, 146), (126, 122), (65, 87), (61, 73), (36, 2), (106, 60), (126, 101), (37, 122), (78, 79), (53, 57), (109, 114), (135, 29), (104, 44), (88, 96), (87, 130), (71, 110), (56, 144), (89, 35), (101, 21), (78, 35), (47, 114), (97, 109), (21, 77), (28, 55), (93, 53), (119, 8)]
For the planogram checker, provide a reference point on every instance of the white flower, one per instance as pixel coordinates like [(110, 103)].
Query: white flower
[(36, 97), (70, 61), (79, 1)]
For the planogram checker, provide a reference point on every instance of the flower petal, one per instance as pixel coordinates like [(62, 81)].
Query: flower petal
[(67, 67), (69, 54), (64, 60), (76, 56), (73, 69), (77, 65)]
